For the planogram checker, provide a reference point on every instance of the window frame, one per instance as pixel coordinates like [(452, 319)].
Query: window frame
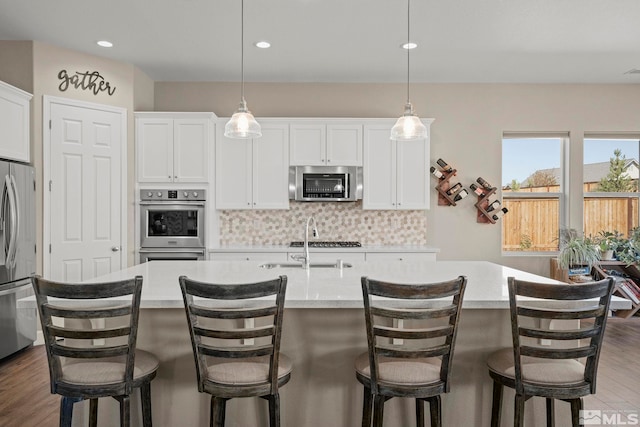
[(562, 195)]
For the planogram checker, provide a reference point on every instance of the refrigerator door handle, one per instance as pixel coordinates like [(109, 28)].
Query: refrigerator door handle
[(15, 223), (4, 224)]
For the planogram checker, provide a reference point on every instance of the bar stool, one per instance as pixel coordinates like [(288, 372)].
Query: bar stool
[(551, 372), (414, 362), (226, 369), (89, 363)]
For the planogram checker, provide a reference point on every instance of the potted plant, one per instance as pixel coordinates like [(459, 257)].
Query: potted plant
[(608, 243), (577, 255)]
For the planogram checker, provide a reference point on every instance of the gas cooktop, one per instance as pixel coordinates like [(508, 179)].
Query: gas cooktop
[(321, 244)]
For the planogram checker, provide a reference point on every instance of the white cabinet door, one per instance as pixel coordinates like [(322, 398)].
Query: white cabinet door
[(344, 145), (379, 172), (412, 177), (154, 143), (14, 123), (233, 172), (400, 256), (249, 256), (191, 140), (271, 167), (308, 144)]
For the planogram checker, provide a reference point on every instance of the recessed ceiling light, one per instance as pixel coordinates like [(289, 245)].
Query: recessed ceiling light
[(409, 45), (105, 43), (263, 44)]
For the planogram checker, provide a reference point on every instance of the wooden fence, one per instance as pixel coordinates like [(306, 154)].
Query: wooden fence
[(532, 225)]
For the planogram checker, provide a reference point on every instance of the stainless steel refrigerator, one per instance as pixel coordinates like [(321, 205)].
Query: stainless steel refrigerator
[(17, 256)]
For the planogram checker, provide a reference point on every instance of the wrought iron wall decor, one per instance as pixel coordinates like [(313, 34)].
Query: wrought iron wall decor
[(89, 80)]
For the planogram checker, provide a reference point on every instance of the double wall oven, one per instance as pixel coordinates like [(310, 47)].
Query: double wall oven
[(172, 225)]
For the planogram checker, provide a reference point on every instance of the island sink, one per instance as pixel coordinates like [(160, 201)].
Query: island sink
[(337, 264)]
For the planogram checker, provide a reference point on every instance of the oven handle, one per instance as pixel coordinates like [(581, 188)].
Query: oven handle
[(171, 203), (172, 251)]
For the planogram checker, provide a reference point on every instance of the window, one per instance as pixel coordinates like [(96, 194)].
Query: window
[(610, 184), (532, 191)]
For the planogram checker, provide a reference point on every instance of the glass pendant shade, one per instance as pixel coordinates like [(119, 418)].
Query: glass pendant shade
[(242, 125), (409, 126)]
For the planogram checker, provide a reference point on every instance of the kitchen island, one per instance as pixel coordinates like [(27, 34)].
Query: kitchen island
[(323, 333)]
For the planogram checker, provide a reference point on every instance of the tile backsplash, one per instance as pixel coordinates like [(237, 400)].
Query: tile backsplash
[(336, 221)]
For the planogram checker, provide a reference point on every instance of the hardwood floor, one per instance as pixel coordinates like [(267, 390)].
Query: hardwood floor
[(25, 399)]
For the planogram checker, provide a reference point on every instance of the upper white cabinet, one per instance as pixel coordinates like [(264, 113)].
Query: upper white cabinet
[(395, 173), (322, 143), (173, 147), (14, 123), (253, 174)]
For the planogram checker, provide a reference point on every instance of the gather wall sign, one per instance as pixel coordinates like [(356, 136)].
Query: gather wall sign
[(89, 80)]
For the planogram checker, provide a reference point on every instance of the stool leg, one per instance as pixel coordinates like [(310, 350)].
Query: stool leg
[(419, 413), (125, 411), (93, 413), (66, 411), (496, 406), (436, 412), (218, 406), (378, 411), (367, 407), (551, 413), (576, 407), (274, 410), (145, 397), (518, 415)]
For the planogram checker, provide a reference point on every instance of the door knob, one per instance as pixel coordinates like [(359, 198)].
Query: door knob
[(115, 248)]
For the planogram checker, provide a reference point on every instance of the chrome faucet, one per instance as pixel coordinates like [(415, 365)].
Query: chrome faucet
[(304, 258)]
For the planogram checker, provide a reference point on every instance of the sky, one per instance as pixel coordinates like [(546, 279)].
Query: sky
[(522, 157)]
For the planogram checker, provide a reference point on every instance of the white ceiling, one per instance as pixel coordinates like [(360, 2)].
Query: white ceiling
[(531, 41)]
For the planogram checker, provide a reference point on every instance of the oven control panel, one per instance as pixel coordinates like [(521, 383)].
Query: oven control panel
[(173, 195)]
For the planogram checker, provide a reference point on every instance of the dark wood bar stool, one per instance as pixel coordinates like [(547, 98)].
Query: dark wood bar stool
[(231, 360), (414, 362), (566, 372), (80, 369)]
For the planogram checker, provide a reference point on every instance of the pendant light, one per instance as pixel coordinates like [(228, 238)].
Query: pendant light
[(242, 124), (409, 126)]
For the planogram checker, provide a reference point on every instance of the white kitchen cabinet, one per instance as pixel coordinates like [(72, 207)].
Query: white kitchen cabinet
[(14, 123), (253, 174), (395, 173), (249, 256), (326, 144), (400, 256), (173, 147)]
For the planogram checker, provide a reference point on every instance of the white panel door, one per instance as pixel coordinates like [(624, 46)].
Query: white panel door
[(379, 170), (271, 168), (191, 139), (85, 192), (413, 178)]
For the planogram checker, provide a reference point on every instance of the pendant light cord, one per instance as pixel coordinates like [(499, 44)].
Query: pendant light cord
[(242, 49), (408, 47)]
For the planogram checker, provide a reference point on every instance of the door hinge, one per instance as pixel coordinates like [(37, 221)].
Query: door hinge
[(49, 124), (49, 247), (50, 184)]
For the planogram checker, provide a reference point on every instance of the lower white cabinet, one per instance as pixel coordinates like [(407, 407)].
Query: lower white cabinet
[(400, 256), (249, 256), (14, 123)]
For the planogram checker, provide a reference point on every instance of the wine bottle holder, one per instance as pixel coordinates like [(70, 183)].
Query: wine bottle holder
[(444, 184), (484, 200)]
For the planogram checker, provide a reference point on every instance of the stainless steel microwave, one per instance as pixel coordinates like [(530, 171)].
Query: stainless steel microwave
[(325, 183)]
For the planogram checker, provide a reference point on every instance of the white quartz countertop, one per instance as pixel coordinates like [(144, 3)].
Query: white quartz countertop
[(329, 287), (287, 248)]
